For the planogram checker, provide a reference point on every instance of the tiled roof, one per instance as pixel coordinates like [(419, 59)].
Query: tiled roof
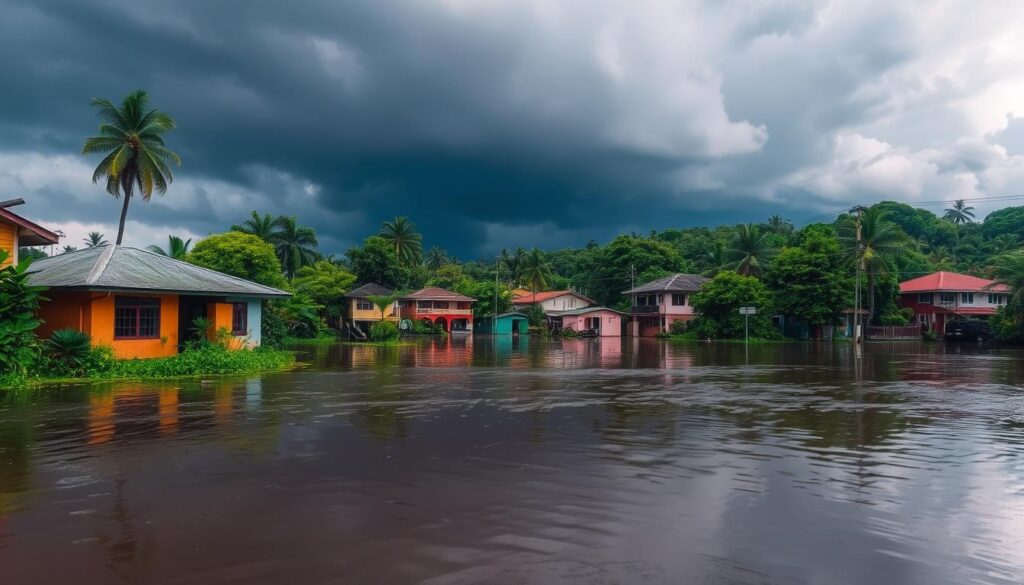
[(673, 283), (434, 293), (130, 269), (951, 282), (582, 311), (541, 296), (368, 289)]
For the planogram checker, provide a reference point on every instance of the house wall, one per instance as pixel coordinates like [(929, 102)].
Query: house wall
[(506, 325), (611, 322), (101, 326), (373, 314), (9, 242), (64, 310), (566, 302)]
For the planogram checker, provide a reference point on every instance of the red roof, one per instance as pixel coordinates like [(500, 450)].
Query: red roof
[(434, 293), (40, 236), (544, 295), (951, 282)]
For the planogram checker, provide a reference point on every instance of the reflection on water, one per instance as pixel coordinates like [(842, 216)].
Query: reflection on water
[(508, 460)]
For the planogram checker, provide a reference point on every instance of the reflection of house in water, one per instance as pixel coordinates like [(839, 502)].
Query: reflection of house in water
[(142, 412)]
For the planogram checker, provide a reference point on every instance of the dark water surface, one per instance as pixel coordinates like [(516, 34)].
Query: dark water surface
[(578, 462)]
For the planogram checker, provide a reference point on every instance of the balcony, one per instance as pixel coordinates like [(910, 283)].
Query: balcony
[(414, 311), (645, 309)]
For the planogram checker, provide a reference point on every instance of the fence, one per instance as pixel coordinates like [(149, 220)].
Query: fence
[(893, 332)]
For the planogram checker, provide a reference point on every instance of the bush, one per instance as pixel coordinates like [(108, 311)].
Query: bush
[(383, 331), (423, 328), (209, 360), (898, 319), (678, 327), (19, 302), (535, 315), (69, 348)]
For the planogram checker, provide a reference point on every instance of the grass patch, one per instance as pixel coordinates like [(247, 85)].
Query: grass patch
[(204, 361), (319, 340)]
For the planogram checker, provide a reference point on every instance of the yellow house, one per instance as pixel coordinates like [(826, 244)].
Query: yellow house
[(16, 231), (362, 312)]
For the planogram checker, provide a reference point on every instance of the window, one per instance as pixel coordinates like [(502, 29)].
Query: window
[(678, 300), (464, 305), (967, 298), (136, 318), (924, 298), (995, 299), (922, 319), (424, 305), (240, 319), (364, 305), (948, 298), (440, 304)]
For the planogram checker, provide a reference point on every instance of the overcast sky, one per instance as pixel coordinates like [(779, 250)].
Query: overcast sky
[(495, 123)]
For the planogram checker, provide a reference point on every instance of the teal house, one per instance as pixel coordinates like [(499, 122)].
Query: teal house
[(503, 324)]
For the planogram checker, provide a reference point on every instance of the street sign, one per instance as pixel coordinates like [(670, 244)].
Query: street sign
[(748, 310)]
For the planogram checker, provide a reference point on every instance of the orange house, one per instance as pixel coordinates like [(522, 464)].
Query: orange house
[(143, 304), (16, 231)]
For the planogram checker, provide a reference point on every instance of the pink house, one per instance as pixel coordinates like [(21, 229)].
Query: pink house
[(659, 303), (601, 321)]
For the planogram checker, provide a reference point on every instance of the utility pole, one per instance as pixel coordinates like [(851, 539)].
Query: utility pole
[(859, 210)]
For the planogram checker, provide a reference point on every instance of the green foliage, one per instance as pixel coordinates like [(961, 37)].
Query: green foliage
[(719, 302), (407, 243), (606, 272), (177, 248), (273, 327), (1009, 220), (69, 346), (677, 327), (131, 136), (261, 226), (811, 280), (376, 261), (383, 331), (534, 270), (424, 328), (94, 239), (25, 253), (484, 292), (447, 276), (239, 254), (295, 245), (325, 283), (19, 302), (301, 316), (209, 360), (750, 250), (382, 302), (535, 315)]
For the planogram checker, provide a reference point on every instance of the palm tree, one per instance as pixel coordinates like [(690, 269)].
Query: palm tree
[(296, 245), (749, 250), (382, 302), (881, 241), (437, 258), (132, 137), (777, 224), (717, 256), (535, 271), (1005, 242), (960, 213), (69, 249), (514, 264), (941, 259), (261, 226), (1008, 269), (177, 248), (403, 236), (94, 239)]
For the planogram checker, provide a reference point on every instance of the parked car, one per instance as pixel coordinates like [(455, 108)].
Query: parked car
[(968, 330)]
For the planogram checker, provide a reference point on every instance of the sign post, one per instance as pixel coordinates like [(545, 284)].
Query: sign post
[(747, 312)]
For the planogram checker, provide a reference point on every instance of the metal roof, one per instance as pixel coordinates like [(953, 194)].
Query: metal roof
[(673, 283), (541, 296), (951, 282), (130, 269), (368, 289)]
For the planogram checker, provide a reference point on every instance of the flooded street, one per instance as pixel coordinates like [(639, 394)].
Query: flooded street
[(475, 461)]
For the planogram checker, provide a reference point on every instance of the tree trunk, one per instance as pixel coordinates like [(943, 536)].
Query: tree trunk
[(871, 297), (124, 216)]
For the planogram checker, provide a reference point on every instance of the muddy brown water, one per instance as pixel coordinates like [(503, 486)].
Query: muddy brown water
[(505, 462)]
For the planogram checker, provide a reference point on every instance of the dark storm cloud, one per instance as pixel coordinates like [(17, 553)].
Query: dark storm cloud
[(557, 121)]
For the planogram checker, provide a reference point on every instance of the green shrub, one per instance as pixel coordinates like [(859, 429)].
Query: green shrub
[(678, 327), (210, 360), (897, 319), (273, 327), (68, 349), (383, 331), (423, 328), (535, 315), (19, 302), (930, 335)]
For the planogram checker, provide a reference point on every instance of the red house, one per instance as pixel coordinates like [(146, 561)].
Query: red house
[(454, 312), (941, 297)]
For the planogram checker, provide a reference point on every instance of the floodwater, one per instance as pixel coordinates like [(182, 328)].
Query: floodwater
[(509, 462)]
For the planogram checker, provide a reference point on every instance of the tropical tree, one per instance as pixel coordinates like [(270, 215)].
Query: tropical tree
[(716, 255), (718, 304), (382, 302), (67, 249), (812, 280), (881, 242), (261, 226), (131, 135), (295, 244), (436, 258), (535, 271), (375, 261), (941, 259), (177, 248), (325, 283), (401, 233), (779, 225), (1008, 270), (94, 239), (749, 250), (960, 213), (238, 254)]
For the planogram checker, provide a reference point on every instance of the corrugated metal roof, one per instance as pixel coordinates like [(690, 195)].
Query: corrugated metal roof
[(124, 268), (368, 289), (582, 311), (541, 296), (676, 282)]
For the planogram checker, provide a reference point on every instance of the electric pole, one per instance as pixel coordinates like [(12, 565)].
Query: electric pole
[(859, 210)]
